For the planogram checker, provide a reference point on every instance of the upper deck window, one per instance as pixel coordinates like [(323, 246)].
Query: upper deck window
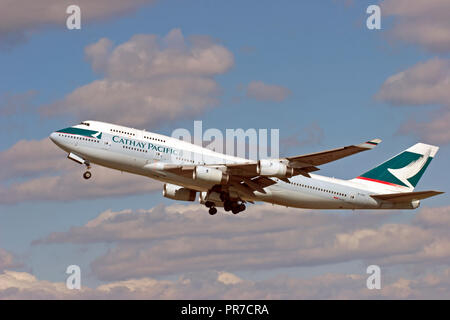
[(156, 139), (85, 123), (123, 132)]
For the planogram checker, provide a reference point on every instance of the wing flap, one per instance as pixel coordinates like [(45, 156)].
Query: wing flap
[(264, 181), (242, 169), (406, 196)]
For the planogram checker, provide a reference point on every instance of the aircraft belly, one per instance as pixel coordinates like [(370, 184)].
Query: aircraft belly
[(113, 160), (291, 198)]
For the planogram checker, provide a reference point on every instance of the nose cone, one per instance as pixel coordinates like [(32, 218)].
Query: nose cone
[(53, 136), (58, 139)]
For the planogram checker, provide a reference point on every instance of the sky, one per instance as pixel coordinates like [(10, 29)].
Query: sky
[(311, 69)]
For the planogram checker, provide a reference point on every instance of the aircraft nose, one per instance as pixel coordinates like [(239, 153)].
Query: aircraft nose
[(53, 137)]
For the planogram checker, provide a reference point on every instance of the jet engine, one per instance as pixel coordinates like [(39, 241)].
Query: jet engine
[(274, 168), (210, 175), (175, 192)]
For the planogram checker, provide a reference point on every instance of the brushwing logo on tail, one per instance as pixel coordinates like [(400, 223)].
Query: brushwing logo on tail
[(409, 171)]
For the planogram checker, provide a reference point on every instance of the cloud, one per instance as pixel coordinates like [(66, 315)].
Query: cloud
[(148, 80), (424, 23), (211, 285), (144, 57), (7, 260), (35, 163), (16, 285), (438, 218), (434, 131), (11, 104), (21, 18), (167, 222), (427, 24), (228, 278), (183, 238), (266, 92), (426, 83), (69, 186), (433, 221), (312, 134), (30, 158)]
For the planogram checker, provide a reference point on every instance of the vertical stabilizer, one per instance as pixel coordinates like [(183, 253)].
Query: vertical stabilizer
[(402, 171)]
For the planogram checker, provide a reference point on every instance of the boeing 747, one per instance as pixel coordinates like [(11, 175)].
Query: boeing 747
[(231, 182)]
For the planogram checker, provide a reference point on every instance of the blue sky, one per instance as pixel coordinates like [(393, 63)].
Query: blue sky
[(332, 67)]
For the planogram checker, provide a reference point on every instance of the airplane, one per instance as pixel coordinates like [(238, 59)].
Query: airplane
[(231, 182)]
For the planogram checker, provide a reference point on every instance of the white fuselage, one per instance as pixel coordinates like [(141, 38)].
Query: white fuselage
[(145, 153)]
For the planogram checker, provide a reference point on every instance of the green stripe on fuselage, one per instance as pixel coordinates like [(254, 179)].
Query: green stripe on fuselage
[(381, 172), (82, 132)]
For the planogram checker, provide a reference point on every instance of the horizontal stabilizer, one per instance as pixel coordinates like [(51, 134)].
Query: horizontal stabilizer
[(406, 196)]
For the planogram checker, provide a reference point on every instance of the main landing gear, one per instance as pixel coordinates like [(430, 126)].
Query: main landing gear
[(212, 209), (234, 206), (228, 205), (231, 205)]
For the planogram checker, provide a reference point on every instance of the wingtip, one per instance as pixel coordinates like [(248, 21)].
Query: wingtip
[(370, 144), (374, 141)]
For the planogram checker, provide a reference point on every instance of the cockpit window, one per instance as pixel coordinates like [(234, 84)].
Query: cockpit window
[(85, 123)]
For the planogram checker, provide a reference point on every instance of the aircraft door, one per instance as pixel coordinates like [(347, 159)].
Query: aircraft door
[(106, 141)]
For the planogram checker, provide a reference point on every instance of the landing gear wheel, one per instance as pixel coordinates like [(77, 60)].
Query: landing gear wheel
[(209, 204), (212, 211), (227, 205), (235, 208), (87, 175)]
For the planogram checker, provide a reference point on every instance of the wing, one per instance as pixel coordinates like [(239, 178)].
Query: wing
[(406, 196), (319, 158), (245, 179)]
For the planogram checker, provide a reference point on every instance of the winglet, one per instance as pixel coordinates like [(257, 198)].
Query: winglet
[(370, 144)]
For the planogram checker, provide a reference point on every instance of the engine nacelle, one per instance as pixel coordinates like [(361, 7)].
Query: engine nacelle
[(210, 175), (274, 168), (175, 192)]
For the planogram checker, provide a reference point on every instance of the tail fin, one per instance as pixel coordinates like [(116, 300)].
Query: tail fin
[(404, 170)]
